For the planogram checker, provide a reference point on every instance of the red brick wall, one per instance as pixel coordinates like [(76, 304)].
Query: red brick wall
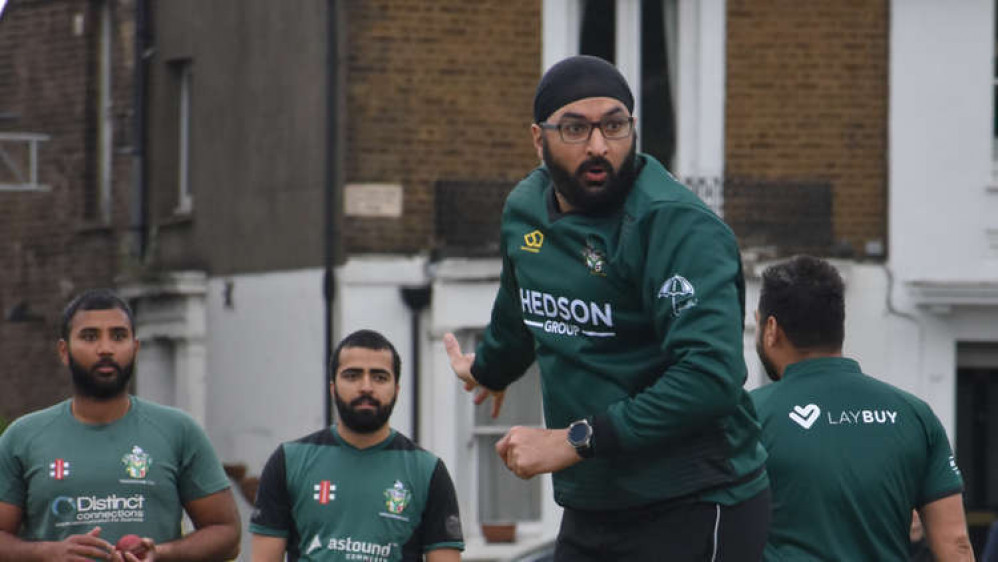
[(437, 90), (48, 251), (807, 90)]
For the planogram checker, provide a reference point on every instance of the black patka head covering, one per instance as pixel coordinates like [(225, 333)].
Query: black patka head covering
[(576, 78)]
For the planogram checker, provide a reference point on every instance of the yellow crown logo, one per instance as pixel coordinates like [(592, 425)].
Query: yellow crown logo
[(533, 241)]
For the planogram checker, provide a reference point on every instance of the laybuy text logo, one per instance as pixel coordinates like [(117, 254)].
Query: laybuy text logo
[(805, 416)]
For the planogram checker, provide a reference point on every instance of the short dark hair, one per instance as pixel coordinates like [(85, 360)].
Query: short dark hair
[(95, 299), (806, 295), (366, 339)]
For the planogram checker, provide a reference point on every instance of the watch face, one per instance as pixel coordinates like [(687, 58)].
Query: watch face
[(578, 433)]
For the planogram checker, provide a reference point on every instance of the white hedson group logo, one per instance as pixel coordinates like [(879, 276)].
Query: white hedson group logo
[(805, 416)]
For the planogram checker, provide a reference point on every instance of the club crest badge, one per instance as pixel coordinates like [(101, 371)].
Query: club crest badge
[(137, 462), (595, 260), (397, 498)]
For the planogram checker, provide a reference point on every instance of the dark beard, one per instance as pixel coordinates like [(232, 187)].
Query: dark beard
[(363, 421), (767, 364), (90, 385), (588, 199)]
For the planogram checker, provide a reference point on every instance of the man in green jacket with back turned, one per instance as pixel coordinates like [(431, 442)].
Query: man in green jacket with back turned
[(628, 292)]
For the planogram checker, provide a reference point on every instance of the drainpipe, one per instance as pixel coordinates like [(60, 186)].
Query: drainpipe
[(142, 52), (416, 299), (335, 101)]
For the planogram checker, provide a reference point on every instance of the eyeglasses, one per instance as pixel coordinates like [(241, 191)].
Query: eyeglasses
[(576, 131)]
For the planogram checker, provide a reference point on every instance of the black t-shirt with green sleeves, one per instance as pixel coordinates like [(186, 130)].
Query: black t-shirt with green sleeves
[(635, 319), (334, 502), (849, 458)]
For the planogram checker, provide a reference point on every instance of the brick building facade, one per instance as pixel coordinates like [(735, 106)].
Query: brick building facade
[(57, 241), (807, 86), (437, 91)]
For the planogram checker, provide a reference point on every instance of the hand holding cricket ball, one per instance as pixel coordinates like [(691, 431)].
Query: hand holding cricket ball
[(132, 544)]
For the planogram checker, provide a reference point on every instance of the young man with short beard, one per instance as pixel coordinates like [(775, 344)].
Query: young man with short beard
[(76, 477), (849, 456), (358, 490), (628, 292)]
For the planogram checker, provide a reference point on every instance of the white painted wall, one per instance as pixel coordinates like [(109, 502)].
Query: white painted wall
[(941, 212), (369, 296), (940, 139), (265, 363)]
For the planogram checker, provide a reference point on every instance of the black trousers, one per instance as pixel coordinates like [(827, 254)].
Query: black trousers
[(670, 532)]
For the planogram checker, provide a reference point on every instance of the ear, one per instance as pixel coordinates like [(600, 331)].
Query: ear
[(536, 132), (773, 333), (63, 348)]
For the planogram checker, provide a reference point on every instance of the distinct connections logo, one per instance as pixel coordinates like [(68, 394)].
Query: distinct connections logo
[(90, 509), (680, 291), (59, 469), (325, 492), (532, 241), (806, 416), (137, 462)]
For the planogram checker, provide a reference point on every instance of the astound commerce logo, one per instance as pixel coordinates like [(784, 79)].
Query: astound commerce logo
[(361, 550), (87, 510)]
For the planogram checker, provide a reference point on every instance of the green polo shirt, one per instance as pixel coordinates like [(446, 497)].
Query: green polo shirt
[(132, 475), (849, 458), (332, 502)]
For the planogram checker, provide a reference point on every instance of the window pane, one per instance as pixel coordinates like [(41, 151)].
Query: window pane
[(501, 495), (522, 405), (657, 43), (597, 35)]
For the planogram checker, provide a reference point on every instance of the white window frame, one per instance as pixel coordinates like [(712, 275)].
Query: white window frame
[(550, 514), (105, 108), (700, 76), (185, 200), (994, 102)]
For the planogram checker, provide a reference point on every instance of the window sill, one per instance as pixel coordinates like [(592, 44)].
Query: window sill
[(93, 227), (477, 550), (177, 219)]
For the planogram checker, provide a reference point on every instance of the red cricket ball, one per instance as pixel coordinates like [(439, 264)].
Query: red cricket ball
[(133, 544)]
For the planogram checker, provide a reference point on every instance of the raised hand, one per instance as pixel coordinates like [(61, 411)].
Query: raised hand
[(461, 364)]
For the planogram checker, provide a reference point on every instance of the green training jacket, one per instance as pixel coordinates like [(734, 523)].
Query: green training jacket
[(635, 319)]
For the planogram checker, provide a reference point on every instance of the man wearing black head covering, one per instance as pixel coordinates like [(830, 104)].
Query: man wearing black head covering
[(627, 290)]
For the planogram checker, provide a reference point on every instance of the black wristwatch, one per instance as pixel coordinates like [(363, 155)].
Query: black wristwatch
[(580, 436)]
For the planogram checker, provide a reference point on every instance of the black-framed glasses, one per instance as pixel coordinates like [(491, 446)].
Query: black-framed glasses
[(576, 131)]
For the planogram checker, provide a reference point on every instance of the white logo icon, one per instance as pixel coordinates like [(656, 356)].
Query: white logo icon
[(806, 416), (316, 543), (680, 291)]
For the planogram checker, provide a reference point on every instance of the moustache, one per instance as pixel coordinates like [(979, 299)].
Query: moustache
[(106, 363), (594, 162), (365, 400)]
